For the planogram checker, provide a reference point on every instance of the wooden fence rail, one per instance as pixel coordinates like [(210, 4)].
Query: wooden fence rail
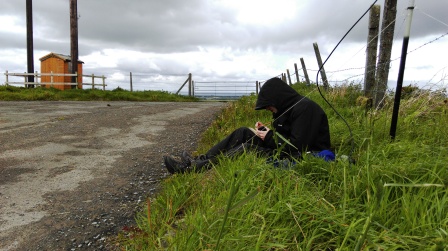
[(51, 75), (92, 77)]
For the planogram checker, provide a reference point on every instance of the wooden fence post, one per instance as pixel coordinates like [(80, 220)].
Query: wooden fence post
[(289, 77), (189, 84), (104, 82), (6, 83), (93, 82), (297, 73), (130, 80), (76, 81), (386, 41), (256, 87), (36, 77), (321, 67), (186, 81), (284, 77), (305, 72), (192, 87), (372, 44)]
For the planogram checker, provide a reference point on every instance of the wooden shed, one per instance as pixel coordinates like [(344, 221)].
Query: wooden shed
[(59, 64)]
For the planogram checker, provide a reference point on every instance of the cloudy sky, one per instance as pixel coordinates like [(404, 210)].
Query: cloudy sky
[(160, 42)]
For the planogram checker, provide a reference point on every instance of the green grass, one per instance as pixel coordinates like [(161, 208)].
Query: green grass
[(10, 93), (393, 198)]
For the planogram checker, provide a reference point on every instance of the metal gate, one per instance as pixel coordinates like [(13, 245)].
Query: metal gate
[(223, 89)]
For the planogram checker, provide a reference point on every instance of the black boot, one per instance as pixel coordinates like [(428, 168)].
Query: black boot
[(187, 158), (175, 166), (198, 164)]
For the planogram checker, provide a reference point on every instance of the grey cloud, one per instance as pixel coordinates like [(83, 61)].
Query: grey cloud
[(163, 27), (175, 26), (12, 40), (180, 26)]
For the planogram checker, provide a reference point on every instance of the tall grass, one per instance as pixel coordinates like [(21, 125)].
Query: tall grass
[(394, 197)]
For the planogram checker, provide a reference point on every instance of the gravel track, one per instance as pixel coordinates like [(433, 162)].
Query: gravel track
[(72, 174)]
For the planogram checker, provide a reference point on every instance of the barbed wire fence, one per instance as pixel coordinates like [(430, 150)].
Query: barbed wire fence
[(343, 74), (359, 77)]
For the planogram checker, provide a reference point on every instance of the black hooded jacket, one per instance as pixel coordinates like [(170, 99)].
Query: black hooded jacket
[(300, 120)]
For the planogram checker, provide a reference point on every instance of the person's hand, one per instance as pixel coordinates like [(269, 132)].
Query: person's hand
[(261, 130), (258, 125)]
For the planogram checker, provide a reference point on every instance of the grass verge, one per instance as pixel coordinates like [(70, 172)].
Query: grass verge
[(393, 198), (11, 93)]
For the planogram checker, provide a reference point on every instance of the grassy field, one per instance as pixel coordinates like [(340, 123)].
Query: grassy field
[(11, 93), (394, 197)]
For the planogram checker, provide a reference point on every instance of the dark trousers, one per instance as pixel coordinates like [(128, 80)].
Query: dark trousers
[(240, 140)]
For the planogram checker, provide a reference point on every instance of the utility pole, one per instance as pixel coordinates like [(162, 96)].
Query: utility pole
[(29, 41), (404, 52), (74, 38)]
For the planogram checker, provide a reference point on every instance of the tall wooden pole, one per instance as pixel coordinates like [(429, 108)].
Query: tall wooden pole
[(404, 52), (305, 72), (321, 66), (189, 84), (386, 42), (289, 76), (297, 72), (372, 45), (74, 37), (130, 79), (29, 41)]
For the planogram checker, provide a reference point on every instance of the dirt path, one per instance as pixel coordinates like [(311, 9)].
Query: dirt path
[(72, 174)]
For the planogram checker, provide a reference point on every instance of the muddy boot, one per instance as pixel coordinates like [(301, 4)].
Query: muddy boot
[(175, 166)]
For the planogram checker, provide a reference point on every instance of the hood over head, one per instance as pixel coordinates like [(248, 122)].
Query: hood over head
[(278, 94)]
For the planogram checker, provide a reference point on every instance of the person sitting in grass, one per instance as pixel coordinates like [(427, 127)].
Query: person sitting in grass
[(299, 126)]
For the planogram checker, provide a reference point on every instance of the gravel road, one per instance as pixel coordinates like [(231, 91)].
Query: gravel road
[(72, 174)]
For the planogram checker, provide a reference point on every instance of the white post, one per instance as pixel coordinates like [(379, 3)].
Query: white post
[(6, 73), (404, 52)]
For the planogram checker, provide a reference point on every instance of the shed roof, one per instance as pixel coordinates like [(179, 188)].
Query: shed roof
[(57, 55)]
